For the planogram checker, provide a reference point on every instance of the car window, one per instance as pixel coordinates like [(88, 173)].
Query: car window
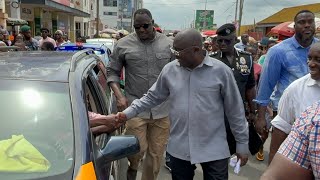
[(100, 75), (95, 99), (36, 121)]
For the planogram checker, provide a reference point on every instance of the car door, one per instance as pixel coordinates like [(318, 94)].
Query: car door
[(96, 102), (118, 168)]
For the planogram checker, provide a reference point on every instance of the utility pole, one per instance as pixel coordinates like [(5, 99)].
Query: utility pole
[(205, 16), (236, 13), (240, 15), (97, 23)]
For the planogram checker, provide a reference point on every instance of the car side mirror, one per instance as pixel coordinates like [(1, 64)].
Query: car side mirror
[(119, 147)]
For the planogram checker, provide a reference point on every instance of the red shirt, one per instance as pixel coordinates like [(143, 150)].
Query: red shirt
[(257, 71)]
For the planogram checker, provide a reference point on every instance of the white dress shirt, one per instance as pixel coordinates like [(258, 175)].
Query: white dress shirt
[(296, 98)]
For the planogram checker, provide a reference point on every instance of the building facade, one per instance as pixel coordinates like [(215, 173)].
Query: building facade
[(117, 14), (285, 15), (71, 16)]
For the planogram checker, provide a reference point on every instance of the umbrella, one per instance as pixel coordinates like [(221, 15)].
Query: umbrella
[(209, 32), (158, 29), (204, 36), (109, 31), (316, 20), (124, 32), (105, 35), (283, 29)]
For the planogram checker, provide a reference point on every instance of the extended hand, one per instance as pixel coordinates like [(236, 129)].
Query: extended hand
[(105, 124), (121, 117)]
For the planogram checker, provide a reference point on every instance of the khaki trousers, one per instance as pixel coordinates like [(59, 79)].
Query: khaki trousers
[(153, 136)]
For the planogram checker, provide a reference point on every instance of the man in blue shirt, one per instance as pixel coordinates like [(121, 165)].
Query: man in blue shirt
[(285, 62), (244, 42)]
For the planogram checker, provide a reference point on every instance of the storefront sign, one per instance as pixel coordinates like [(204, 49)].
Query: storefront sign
[(27, 13)]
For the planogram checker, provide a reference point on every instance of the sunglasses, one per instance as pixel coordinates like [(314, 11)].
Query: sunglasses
[(226, 41), (178, 53), (262, 48), (144, 26)]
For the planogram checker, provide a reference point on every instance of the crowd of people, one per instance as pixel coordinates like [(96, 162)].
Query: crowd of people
[(204, 101), (25, 42), (210, 95)]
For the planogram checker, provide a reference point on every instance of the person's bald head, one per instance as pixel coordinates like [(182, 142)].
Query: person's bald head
[(245, 38), (187, 47), (188, 38), (313, 61), (316, 46)]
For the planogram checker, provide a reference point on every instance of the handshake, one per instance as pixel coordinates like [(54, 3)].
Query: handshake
[(100, 124)]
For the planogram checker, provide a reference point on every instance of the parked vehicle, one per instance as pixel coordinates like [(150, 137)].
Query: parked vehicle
[(110, 43), (99, 49), (45, 99)]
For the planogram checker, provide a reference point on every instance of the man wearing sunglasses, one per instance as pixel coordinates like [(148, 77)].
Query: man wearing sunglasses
[(143, 54), (200, 91)]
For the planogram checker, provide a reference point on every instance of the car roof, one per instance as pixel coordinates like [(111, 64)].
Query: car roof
[(102, 40), (35, 65), (85, 45)]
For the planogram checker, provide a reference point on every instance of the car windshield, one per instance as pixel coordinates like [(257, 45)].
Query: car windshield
[(36, 132)]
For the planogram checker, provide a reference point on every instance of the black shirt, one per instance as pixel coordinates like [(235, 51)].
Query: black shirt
[(242, 67)]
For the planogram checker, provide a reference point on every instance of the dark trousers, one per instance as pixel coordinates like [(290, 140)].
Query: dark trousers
[(184, 170)]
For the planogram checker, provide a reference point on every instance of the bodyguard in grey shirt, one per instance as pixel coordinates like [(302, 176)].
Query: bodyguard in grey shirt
[(143, 62), (200, 90), (143, 54)]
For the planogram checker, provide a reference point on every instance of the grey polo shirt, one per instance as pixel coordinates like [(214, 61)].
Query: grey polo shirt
[(143, 62), (198, 100)]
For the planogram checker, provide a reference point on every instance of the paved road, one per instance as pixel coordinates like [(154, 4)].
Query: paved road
[(252, 171)]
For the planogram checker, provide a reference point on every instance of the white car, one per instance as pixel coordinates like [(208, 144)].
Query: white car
[(107, 42)]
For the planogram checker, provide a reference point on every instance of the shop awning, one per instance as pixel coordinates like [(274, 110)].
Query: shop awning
[(57, 6), (14, 22)]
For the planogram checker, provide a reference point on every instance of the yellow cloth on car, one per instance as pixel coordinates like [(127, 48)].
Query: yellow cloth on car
[(19, 155)]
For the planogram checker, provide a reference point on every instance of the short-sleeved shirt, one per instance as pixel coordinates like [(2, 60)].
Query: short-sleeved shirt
[(295, 99), (48, 39), (302, 146), (242, 67)]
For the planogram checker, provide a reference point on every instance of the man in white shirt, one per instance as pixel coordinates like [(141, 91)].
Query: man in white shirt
[(296, 98), (45, 38)]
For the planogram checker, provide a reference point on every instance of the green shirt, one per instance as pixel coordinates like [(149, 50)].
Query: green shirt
[(261, 60)]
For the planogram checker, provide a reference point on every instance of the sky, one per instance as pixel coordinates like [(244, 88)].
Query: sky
[(179, 14)]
